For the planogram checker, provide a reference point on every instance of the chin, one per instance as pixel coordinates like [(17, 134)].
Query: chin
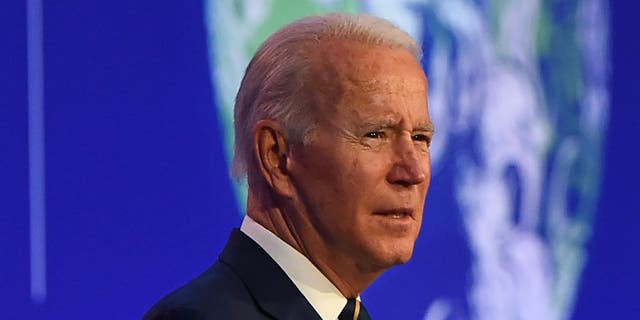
[(403, 258), (392, 256)]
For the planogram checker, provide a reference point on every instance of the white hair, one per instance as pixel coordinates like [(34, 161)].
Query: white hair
[(274, 83)]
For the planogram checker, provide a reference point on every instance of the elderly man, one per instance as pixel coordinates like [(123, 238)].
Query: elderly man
[(333, 134)]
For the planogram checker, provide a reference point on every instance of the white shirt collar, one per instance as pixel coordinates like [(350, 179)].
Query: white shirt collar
[(325, 298)]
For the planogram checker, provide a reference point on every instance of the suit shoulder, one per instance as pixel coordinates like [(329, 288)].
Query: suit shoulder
[(218, 293)]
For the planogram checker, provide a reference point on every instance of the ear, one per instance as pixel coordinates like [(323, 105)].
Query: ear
[(270, 146)]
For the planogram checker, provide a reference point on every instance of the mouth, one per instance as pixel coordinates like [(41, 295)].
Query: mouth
[(396, 213)]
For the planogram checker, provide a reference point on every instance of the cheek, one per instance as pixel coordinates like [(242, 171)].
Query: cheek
[(366, 175), (343, 177), (427, 166), (325, 176)]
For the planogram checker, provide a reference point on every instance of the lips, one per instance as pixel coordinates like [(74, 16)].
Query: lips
[(396, 213)]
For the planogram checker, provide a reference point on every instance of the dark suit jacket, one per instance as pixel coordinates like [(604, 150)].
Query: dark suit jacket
[(245, 283)]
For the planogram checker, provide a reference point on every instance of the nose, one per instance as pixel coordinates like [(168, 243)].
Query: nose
[(410, 166)]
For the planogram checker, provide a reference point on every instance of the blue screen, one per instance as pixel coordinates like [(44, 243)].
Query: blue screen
[(115, 144)]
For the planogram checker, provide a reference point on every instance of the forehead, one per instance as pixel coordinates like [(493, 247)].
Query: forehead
[(361, 64), (363, 78)]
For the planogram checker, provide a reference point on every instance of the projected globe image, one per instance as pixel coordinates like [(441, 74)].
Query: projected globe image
[(519, 98)]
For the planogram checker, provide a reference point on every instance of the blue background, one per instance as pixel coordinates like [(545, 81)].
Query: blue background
[(138, 196)]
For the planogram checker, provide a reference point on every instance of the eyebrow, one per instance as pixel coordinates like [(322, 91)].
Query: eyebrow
[(379, 123), (426, 126), (391, 123)]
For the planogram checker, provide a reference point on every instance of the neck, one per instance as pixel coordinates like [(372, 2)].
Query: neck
[(297, 230)]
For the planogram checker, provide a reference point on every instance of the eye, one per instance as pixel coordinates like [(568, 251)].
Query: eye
[(375, 135), (421, 138)]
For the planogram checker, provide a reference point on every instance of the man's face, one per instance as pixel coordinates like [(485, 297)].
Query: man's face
[(363, 177)]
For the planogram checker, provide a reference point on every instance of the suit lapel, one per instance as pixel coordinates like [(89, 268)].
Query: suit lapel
[(268, 284)]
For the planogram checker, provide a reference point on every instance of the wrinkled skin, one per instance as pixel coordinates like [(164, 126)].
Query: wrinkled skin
[(355, 192)]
